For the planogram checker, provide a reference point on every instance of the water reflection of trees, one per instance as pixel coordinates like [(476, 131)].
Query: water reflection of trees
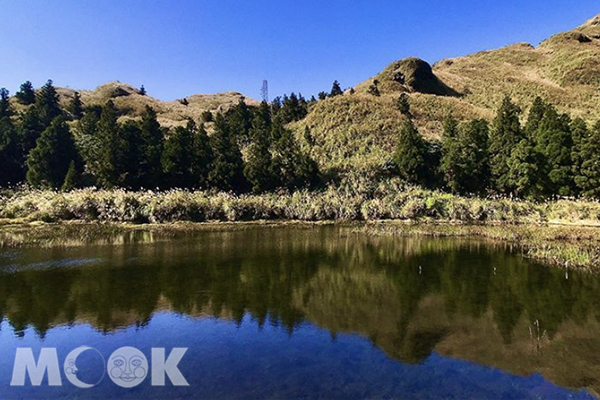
[(340, 281)]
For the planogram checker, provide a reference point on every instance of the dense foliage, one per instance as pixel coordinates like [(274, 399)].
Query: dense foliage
[(250, 149)]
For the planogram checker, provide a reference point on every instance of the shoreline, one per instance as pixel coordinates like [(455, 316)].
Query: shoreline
[(558, 244)]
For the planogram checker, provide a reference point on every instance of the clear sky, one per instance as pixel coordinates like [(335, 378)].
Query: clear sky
[(182, 47)]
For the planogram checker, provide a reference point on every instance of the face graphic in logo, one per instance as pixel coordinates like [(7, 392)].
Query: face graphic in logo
[(127, 367), (71, 371)]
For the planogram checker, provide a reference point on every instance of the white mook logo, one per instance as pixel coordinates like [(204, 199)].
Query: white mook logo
[(70, 367), (127, 367)]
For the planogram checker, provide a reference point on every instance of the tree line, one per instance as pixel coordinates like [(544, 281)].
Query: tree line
[(549, 155), (47, 146)]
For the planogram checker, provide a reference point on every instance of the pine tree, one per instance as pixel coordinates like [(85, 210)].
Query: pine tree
[(579, 134), (30, 129), (403, 105), (26, 94), (11, 157), (142, 91), (131, 172), (47, 104), (48, 163), (76, 106), (291, 168), (536, 113), (464, 160), (178, 157), (239, 119), (258, 165), (71, 179), (410, 154), (112, 151), (553, 143), (523, 171), (203, 157), (506, 134), (5, 107), (151, 150), (336, 89), (322, 95), (587, 159), (227, 169)]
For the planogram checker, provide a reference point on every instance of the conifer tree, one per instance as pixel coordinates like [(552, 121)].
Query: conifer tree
[(71, 179), (48, 163), (410, 154), (403, 105), (465, 157), (112, 151), (587, 159), (5, 107), (131, 133), (203, 157), (524, 171), (336, 89), (291, 168), (506, 134), (240, 120), (178, 157), (76, 106), (207, 116), (47, 104), (30, 129), (258, 167), (227, 169), (579, 134), (151, 149), (26, 94), (11, 159), (142, 91), (553, 143), (536, 113)]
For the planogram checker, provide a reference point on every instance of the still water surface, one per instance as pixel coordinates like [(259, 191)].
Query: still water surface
[(295, 312)]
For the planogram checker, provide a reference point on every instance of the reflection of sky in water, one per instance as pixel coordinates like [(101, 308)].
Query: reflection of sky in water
[(52, 264), (229, 361)]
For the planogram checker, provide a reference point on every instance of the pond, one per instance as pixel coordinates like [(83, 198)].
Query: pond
[(298, 312)]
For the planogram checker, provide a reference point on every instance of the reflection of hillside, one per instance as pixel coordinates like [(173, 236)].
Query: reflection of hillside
[(408, 296)]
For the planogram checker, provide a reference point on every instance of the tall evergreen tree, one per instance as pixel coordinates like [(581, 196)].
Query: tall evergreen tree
[(113, 148), (47, 104), (535, 116), (5, 107), (30, 129), (131, 133), (203, 157), (291, 168), (410, 155), (76, 106), (553, 143), (587, 159), (258, 166), (239, 119), (465, 157), (227, 169), (151, 150), (336, 89), (11, 157), (523, 171), (26, 94), (506, 134), (178, 157), (403, 105), (71, 179), (48, 163)]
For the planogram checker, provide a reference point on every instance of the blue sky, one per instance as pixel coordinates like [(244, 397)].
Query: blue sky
[(182, 47)]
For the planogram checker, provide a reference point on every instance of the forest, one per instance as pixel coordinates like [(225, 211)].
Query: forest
[(249, 149)]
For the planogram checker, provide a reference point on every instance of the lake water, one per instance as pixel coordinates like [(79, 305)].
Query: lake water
[(303, 312)]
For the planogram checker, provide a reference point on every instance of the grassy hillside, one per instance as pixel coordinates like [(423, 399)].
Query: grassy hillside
[(359, 129)]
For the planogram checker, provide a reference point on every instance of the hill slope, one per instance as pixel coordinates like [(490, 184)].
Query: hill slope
[(357, 129)]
